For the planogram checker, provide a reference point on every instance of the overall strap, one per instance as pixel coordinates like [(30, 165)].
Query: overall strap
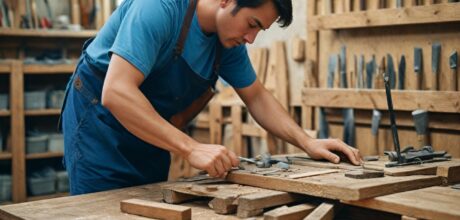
[(185, 27)]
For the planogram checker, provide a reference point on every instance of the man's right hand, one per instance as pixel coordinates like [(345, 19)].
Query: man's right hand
[(214, 159)]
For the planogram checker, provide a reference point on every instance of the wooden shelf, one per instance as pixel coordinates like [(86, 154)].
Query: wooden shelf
[(49, 69), (5, 156), (47, 33), (437, 13), (5, 113), (42, 112), (5, 68), (50, 196), (408, 100), (44, 155)]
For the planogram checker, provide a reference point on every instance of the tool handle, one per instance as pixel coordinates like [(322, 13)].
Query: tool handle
[(434, 81), (418, 81), (453, 80), (422, 140)]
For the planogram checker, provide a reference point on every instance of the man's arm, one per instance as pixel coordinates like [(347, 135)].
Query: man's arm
[(267, 111), (122, 96)]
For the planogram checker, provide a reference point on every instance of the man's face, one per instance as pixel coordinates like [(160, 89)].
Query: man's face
[(243, 27)]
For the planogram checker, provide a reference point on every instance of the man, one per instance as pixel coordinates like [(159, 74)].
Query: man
[(149, 70)]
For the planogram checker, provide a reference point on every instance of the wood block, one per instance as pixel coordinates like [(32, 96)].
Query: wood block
[(325, 211), (364, 174), (450, 173), (153, 209), (253, 204), (223, 205), (173, 197), (289, 213)]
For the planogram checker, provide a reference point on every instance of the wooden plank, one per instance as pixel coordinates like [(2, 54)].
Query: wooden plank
[(153, 209), (42, 112), (289, 213), (215, 123), (17, 132), (334, 185), (438, 13), (47, 33), (325, 211), (428, 203), (44, 155), (49, 69), (437, 101), (312, 173), (253, 204)]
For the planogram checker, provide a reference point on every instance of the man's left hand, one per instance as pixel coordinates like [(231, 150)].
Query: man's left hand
[(324, 148)]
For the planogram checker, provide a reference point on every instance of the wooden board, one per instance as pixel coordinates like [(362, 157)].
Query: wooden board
[(332, 185), (429, 203), (289, 213), (151, 209)]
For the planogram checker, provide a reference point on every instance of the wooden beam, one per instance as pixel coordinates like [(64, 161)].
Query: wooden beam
[(289, 213), (253, 204), (437, 13), (153, 209), (433, 101), (428, 203), (325, 211)]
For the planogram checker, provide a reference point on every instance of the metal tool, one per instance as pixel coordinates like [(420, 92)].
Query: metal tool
[(376, 117), (454, 81), (402, 73), (421, 126), (435, 57), (418, 67), (370, 71), (360, 80), (348, 114), (409, 155), (391, 71)]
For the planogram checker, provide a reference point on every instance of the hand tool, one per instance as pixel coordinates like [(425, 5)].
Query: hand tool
[(454, 81), (348, 114), (435, 57), (421, 127), (323, 125), (402, 73), (362, 5), (370, 71), (418, 67), (391, 71), (409, 155), (360, 80), (376, 117)]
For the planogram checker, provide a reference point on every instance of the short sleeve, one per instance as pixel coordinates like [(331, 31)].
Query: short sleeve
[(142, 32), (236, 69)]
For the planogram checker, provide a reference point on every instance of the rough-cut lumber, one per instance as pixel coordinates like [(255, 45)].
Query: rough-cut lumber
[(429, 203), (385, 17), (289, 213), (325, 211), (153, 209), (253, 204), (334, 185), (407, 100)]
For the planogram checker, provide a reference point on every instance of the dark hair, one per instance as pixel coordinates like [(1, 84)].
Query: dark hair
[(284, 8)]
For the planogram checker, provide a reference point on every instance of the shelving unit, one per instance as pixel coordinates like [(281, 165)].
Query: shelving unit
[(381, 31), (12, 41)]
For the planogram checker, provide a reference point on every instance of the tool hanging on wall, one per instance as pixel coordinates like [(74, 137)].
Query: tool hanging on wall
[(454, 81), (421, 127), (418, 67), (409, 155), (435, 57), (391, 71), (402, 73)]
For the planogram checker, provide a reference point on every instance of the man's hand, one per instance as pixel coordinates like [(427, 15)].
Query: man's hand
[(324, 148), (215, 159)]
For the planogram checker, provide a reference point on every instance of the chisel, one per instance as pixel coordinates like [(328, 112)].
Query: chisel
[(391, 71), (360, 83), (435, 56), (402, 73), (454, 81), (370, 70), (421, 126), (418, 67)]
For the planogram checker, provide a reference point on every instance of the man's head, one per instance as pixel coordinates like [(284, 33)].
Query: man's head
[(239, 21)]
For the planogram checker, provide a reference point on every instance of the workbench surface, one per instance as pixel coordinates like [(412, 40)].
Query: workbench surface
[(102, 205)]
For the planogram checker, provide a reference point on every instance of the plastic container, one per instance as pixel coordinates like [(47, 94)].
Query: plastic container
[(41, 185), (4, 102), (35, 100), (5, 188), (42, 182), (62, 181), (56, 143), (37, 144), (55, 99)]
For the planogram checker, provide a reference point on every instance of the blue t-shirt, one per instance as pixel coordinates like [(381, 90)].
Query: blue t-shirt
[(144, 32)]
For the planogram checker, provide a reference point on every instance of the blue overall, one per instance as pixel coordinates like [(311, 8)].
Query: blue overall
[(100, 154)]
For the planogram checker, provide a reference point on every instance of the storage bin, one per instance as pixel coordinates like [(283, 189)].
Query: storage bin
[(41, 185), (56, 143), (4, 102), (35, 100), (5, 188), (37, 144), (62, 181), (55, 99)]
